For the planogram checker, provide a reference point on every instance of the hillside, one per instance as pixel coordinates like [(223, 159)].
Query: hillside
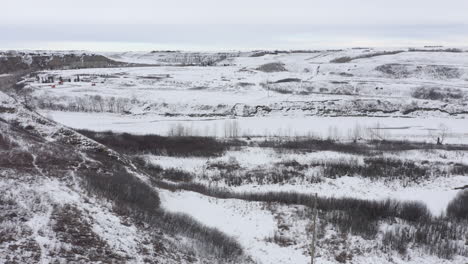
[(409, 94), (15, 61), (66, 198)]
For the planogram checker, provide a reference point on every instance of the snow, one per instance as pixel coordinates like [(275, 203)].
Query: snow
[(251, 223), (414, 129), (207, 100), (246, 221), (203, 99), (435, 192), (215, 85)]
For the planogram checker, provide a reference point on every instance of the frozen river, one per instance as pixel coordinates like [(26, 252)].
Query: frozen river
[(421, 129)]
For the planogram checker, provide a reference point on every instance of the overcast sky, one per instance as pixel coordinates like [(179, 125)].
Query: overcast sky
[(224, 25)]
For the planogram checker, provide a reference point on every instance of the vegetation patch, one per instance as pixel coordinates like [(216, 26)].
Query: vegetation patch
[(159, 145), (458, 207), (347, 59), (410, 223), (136, 199), (370, 147), (272, 67), (435, 93), (72, 228)]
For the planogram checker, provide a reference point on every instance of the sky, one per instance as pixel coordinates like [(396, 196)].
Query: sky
[(118, 25)]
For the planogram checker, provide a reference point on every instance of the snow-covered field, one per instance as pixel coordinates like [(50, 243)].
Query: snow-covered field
[(302, 94), (407, 95), (435, 192), (289, 86), (254, 224)]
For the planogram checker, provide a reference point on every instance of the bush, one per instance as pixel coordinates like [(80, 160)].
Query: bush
[(211, 241), (132, 197), (434, 93), (272, 67), (458, 207), (435, 235), (281, 90), (5, 143), (148, 167), (459, 169), (281, 240), (311, 144), (441, 237), (124, 189), (392, 168), (159, 145), (364, 56), (375, 210), (287, 80), (375, 168), (371, 147), (342, 60), (454, 50), (71, 227), (232, 174), (177, 175)]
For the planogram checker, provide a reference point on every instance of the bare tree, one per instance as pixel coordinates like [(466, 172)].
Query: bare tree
[(231, 128), (440, 134), (355, 133), (377, 132)]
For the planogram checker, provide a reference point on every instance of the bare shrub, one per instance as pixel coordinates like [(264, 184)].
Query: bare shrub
[(440, 237), (287, 80), (281, 90), (458, 207), (311, 144), (281, 240), (159, 145), (364, 56), (232, 174), (434, 93), (435, 235), (375, 168), (342, 60), (177, 175), (459, 169), (148, 167), (370, 147), (405, 71), (211, 241), (373, 209), (225, 166), (86, 103), (127, 191), (134, 198), (6, 143), (272, 67), (71, 227), (392, 168), (454, 50)]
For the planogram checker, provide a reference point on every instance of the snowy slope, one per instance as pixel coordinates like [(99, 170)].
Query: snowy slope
[(49, 215)]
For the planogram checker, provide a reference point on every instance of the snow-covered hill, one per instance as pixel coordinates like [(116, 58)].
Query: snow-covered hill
[(371, 83), (65, 198), (277, 127)]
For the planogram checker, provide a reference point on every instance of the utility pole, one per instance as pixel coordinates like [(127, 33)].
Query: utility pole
[(314, 231)]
